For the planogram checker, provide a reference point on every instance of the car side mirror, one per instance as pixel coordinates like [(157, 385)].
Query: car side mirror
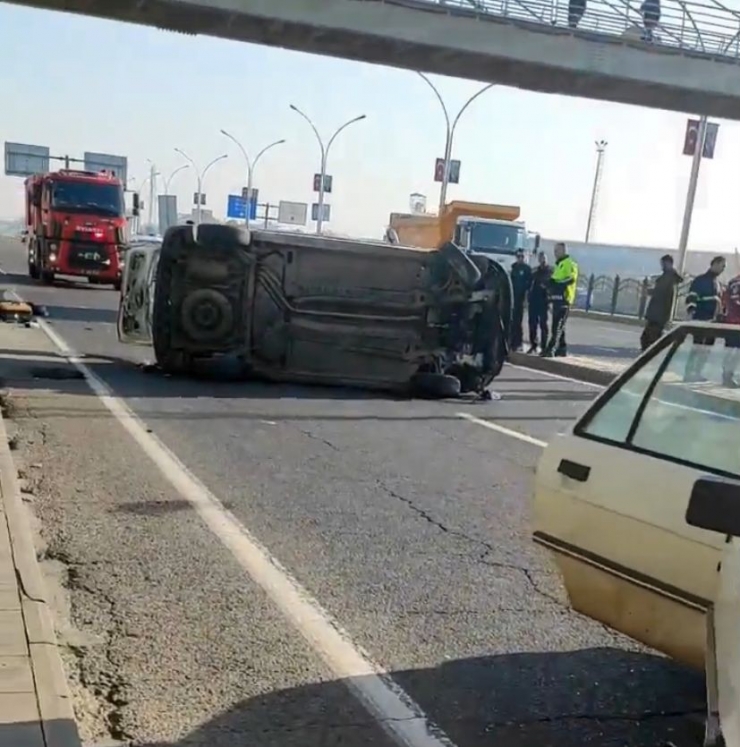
[(715, 505)]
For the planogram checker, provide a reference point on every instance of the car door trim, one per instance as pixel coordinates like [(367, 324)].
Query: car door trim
[(615, 569)]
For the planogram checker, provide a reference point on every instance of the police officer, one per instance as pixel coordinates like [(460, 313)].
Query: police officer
[(563, 295), (704, 304), (521, 280), (538, 302)]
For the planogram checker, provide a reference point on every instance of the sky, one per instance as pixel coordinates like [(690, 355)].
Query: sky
[(84, 84)]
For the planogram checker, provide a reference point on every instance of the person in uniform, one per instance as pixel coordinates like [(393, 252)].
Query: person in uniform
[(704, 304), (562, 286), (731, 315), (521, 280), (538, 303), (662, 301)]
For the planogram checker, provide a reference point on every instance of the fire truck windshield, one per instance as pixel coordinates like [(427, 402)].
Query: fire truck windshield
[(87, 197)]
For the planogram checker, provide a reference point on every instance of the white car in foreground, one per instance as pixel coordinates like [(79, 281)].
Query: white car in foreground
[(639, 504)]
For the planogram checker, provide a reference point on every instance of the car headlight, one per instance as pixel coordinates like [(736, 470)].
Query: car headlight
[(52, 257)]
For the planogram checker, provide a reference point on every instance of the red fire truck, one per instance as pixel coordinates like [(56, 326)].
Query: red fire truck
[(76, 226)]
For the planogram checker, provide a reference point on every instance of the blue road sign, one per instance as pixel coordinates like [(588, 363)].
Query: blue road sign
[(236, 208)]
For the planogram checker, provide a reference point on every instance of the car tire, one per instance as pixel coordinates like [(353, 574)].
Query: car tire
[(435, 386), (117, 285), (463, 266), (169, 360), (33, 271)]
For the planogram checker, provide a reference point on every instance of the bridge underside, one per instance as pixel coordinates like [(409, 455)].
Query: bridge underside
[(408, 35)]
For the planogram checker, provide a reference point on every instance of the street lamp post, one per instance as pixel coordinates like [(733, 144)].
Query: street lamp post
[(251, 165), (324, 157), (200, 175), (451, 126), (600, 150)]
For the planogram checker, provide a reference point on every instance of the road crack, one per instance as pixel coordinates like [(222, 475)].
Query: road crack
[(486, 547)]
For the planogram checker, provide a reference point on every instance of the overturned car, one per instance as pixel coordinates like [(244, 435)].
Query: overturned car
[(313, 309)]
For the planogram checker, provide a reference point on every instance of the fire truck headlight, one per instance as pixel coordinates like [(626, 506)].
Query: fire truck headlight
[(106, 262), (52, 257)]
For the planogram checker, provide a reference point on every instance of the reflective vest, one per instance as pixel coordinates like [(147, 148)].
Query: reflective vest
[(564, 280)]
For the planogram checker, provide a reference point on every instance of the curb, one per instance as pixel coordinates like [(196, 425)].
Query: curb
[(586, 374), (600, 316), (54, 699)]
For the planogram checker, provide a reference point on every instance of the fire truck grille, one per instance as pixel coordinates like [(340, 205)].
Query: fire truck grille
[(87, 256)]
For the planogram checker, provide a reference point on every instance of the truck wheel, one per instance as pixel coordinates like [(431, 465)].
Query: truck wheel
[(117, 285), (33, 270), (47, 277), (435, 386)]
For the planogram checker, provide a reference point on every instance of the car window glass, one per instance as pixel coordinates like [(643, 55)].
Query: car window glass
[(693, 413), (614, 419)]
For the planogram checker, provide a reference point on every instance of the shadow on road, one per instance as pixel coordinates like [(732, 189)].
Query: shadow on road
[(82, 314), (599, 697)]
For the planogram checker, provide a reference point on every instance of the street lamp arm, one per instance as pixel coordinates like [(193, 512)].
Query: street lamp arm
[(439, 98), (469, 102), (342, 128), (240, 146), (169, 179), (214, 161), (265, 149), (313, 127), (187, 158)]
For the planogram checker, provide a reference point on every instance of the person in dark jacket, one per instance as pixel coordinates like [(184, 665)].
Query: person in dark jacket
[(662, 300), (521, 280), (650, 10), (538, 302), (576, 9), (704, 304)]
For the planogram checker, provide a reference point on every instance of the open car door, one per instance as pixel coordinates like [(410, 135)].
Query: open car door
[(612, 494), (137, 292)]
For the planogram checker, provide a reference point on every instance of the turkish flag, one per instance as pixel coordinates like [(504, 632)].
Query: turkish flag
[(439, 170), (691, 137)]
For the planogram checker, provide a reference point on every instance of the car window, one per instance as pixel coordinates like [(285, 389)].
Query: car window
[(692, 414), (614, 420)]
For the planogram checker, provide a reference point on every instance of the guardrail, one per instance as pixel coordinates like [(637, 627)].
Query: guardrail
[(706, 27), (604, 294)]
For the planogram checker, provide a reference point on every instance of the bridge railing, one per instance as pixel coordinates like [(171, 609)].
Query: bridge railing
[(701, 26)]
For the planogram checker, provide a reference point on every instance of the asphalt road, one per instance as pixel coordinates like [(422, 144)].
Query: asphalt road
[(407, 522)]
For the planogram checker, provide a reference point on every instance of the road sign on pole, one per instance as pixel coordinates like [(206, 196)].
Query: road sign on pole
[(236, 207), (691, 138), (293, 213), (325, 213), (202, 198), (115, 165), (25, 160)]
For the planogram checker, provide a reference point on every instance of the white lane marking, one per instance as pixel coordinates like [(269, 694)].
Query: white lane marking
[(551, 375), (503, 430), (396, 712)]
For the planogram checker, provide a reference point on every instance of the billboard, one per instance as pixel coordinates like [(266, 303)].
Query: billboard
[(692, 135), (292, 213), (167, 205), (439, 171), (328, 183), (115, 165), (25, 160)]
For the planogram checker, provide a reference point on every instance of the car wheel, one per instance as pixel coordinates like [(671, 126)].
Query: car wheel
[(435, 386), (117, 285), (463, 266), (169, 360), (33, 271)]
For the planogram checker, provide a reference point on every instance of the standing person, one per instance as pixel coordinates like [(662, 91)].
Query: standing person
[(538, 302), (576, 9), (703, 304), (563, 283), (650, 10), (662, 300), (732, 341), (521, 280)]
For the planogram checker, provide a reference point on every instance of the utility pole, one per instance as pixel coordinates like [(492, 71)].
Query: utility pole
[(688, 212), (152, 194), (600, 149)]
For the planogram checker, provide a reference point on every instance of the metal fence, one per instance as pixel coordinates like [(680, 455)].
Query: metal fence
[(605, 294), (707, 27)]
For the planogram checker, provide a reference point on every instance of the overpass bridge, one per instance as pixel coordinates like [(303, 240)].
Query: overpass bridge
[(691, 64)]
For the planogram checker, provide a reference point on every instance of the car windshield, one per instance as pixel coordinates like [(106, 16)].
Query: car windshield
[(496, 238), (87, 197)]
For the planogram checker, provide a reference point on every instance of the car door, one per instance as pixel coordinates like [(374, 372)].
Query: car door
[(136, 303), (611, 497)]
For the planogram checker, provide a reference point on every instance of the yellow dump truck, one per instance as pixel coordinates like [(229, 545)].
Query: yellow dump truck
[(474, 226)]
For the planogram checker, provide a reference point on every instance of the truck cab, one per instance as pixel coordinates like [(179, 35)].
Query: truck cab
[(77, 226), (498, 239)]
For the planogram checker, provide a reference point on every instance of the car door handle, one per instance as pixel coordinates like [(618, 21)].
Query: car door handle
[(574, 470)]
